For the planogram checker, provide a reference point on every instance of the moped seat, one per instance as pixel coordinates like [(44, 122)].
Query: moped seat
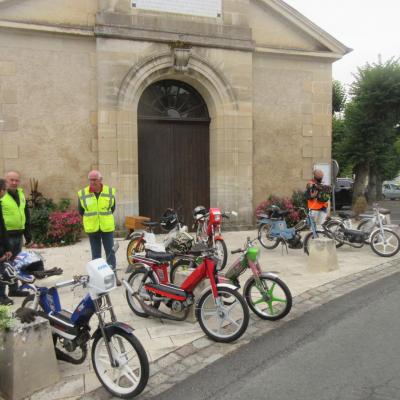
[(158, 256), (283, 212), (347, 214)]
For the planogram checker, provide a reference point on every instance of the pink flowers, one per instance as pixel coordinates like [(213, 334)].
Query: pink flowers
[(284, 203), (64, 226)]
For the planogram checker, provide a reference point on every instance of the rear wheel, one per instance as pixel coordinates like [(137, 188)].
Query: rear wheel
[(224, 319), (135, 281), (319, 234), (270, 298), (265, 238), (334, 227)]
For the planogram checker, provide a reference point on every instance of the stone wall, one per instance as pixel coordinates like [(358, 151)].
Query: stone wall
[(48, 110), (292, 122)]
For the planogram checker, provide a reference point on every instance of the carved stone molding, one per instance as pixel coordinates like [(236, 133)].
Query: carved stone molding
[(181, 58)]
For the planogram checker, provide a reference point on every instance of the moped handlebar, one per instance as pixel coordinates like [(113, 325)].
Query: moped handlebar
[(236, 251)]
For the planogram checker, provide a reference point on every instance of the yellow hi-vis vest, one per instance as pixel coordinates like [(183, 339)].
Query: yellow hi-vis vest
[(98, 215), (14, 215)]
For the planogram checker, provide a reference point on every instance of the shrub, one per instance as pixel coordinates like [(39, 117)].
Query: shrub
[(284, 203), (6, 320), (64, 227)]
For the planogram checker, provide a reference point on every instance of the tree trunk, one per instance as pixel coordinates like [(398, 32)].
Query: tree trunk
[(372, 188), (361, 171), (379, 187)]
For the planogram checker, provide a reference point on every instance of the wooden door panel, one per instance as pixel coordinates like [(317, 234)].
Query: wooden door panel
[(173, 167)]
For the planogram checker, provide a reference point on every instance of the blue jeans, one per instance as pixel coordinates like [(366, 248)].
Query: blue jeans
[(108, 242)]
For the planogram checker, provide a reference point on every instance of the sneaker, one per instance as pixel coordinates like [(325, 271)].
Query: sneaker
[(118, 282), (6, 301), (18, 293)]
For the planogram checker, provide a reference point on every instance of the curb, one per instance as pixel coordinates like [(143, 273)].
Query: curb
[(190, 358)]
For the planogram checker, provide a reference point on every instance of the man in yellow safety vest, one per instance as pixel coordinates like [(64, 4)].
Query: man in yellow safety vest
[(17, 221), (96, 205)]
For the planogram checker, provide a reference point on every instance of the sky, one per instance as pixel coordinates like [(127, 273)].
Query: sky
[(370, 28)]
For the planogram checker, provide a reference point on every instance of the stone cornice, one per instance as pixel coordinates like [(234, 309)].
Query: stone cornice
[(168, 37), (328, 55), (66, 30)]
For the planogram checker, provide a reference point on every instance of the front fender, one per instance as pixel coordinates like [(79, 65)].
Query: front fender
[(262, 275), (133, 267), (227, 285), (113, 327)]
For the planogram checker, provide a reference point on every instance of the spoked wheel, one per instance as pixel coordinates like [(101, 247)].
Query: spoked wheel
[(386, 244), (224, 319), (136, 245), (269, 298), (179, 271), (265, 238), (334, 227), (135, 281), (221, 253), (131, 374), (319, 234)]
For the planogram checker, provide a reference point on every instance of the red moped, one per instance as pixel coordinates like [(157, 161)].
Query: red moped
[(221, 310)]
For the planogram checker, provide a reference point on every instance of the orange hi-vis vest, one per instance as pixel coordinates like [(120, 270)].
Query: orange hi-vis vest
[(314, 204)]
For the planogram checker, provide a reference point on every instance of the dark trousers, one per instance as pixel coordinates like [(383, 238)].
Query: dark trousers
[(108, 242), (2, 286), (16, 242)]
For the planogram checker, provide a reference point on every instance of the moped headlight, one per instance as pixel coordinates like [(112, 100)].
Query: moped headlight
[(109, 282)]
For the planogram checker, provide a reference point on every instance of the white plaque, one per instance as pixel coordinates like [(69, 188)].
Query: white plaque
[(203, 8)]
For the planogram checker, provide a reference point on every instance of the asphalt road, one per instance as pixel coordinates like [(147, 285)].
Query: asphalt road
[(394, 207), (347, 349)]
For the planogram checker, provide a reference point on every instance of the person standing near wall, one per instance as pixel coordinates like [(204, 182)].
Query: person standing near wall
[(96, 205), (5, 249), (17, 221), (318, 196)]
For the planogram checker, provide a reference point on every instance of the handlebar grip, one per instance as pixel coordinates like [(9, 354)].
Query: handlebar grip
[(236, 251)]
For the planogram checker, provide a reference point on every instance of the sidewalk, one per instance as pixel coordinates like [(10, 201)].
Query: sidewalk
[(161, 337)]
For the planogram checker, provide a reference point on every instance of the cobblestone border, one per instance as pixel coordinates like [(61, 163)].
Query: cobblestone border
[(190, 358)]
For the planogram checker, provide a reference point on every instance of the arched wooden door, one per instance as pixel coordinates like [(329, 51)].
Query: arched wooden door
[(173, 148)]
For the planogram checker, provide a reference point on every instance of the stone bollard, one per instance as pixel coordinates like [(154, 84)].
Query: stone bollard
[(180, 277), (27, 359), (323, 257)]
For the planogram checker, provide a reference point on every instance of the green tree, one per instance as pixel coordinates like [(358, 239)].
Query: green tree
[(338, 97), (371, 119)]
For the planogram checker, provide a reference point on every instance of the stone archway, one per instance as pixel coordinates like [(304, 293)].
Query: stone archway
[(230, 133), (173, 150)]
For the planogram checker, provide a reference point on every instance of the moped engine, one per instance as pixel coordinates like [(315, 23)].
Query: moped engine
[(295, 242)]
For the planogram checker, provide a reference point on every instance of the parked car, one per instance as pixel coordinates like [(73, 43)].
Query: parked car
[(390, 191), (343, 192)]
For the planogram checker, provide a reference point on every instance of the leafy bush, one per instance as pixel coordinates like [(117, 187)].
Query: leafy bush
[(53, 223), (64, 227), (6, 320), (285, 203)]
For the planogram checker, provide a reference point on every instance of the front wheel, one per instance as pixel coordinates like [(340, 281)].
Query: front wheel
[(386, 244), (131, 374), (319, 234), (221, 253), (225, 318), (265, 238), (268, 297), (334, 227)]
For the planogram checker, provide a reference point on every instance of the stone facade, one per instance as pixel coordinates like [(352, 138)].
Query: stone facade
[(72, 73)]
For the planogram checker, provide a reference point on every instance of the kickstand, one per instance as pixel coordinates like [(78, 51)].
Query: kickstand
[(283, 243)]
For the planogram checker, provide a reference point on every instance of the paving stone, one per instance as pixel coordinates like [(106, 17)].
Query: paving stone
[(200, 343), (67, 387)]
